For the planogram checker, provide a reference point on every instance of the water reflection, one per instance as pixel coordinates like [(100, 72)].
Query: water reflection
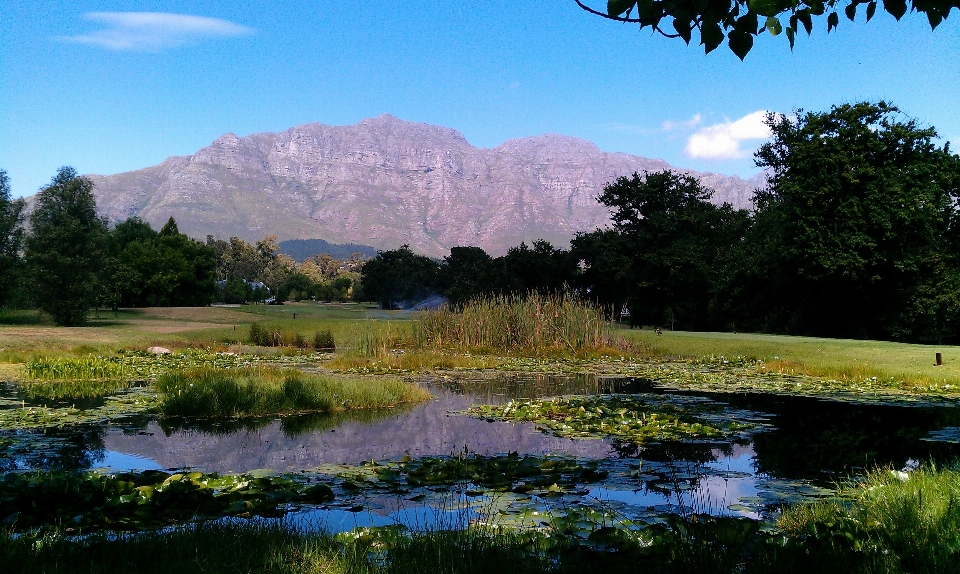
[(803, 443)]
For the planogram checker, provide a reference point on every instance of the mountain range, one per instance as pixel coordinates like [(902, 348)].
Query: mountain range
[(386, 182)]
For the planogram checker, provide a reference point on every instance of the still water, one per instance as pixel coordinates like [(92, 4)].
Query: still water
[(799, 449)]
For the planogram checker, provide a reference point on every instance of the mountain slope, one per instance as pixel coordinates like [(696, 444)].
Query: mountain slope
[(384, 182)]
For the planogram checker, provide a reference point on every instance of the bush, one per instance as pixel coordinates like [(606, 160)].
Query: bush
[(323, 341), (259, 336)]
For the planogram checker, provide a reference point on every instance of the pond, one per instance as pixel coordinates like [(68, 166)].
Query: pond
[(795, 448)]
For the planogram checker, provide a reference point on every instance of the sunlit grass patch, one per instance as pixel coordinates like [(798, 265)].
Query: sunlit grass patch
[(206, 392), (908, 520), (413, 362)]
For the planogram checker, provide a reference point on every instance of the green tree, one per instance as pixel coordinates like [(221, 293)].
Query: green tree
[(159, 268), (65, 248), (465, 273), (11, 237), (677, 242), (740, 21), (857, 233), (399, 275)]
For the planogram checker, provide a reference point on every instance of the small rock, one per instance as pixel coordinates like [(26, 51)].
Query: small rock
[(159, 350)]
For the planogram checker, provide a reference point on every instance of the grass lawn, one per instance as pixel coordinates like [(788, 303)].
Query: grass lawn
[(844, 359), (24, 334)]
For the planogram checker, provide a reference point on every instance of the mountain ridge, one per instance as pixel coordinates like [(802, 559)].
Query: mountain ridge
[(385, 182)]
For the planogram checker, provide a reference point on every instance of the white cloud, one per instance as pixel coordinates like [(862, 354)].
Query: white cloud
[(669, 126), (154, 31), (723, 141)]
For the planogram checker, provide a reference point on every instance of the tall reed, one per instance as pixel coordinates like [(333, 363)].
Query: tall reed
[(512, 324), (80, 368), (207, 392)]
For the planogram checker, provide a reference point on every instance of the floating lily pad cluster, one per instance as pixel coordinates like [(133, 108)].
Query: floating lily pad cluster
[(479, 474), (625, 418), (36, 417), (88, 501)]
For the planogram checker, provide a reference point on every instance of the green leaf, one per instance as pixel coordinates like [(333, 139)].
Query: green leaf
[(791, 36), (684, 28), (766, 7), (619, 7), (740, 43), (896, 8), (710, 36), (934, 18), (817, 7), (804, 17), (774, 26), (851, 11), (871, 9), (832, 21)]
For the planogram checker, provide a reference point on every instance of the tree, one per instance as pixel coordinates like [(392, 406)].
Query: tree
[(65, 248), (677, 242), (397, 276), (11, 237), (858, 230), (739, 21), (465, 274)]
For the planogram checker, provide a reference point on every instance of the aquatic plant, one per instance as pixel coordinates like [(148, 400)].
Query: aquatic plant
[(206, 392), (116, 406), (136, 500), (624, 418), (535, 325), (543, 475)]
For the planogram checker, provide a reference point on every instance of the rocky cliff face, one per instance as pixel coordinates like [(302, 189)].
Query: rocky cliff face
[(385, 182)]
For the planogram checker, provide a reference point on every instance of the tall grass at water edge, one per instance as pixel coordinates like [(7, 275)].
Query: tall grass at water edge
[(207, 392), (894, 521), (73, 377), (512, 325)]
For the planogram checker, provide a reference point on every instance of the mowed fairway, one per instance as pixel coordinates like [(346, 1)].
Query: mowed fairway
[(844, 359), (24, 334)]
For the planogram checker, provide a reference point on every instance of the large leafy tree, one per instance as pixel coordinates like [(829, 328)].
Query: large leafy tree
[(858, 231), (11, 236), (66, 248), (740, 21), (398, 275), (675, 242), (158, 269)]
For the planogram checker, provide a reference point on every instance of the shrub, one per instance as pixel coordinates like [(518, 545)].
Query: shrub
[(259, 335), (323, 341)]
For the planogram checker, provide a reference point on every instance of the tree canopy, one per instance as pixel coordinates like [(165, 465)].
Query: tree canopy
[(11, 236), (65, 248), (740, 21), (857, 233)]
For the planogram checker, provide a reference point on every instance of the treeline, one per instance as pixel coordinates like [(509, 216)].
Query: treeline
[(65, 260), (856, 234)]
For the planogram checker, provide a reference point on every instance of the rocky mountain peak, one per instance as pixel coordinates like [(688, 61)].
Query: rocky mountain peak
[(385, 182)]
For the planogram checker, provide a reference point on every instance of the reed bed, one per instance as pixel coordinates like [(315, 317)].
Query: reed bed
[(207, 392), (73, 377), (535, 324), (79, 368)]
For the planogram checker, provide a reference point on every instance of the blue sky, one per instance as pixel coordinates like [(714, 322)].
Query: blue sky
[(114, 86)]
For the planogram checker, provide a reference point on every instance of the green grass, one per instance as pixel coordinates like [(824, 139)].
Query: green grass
[(512, 325), (207, 392), (841, 359), (900, 521)]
